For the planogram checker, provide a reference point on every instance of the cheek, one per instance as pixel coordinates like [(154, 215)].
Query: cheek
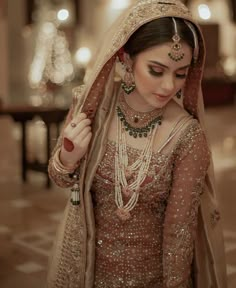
[(180, 85)]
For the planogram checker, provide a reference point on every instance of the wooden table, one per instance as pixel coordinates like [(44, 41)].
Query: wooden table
[(24, 114)]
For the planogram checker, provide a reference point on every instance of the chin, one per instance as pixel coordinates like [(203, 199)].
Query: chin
[(160, 104)]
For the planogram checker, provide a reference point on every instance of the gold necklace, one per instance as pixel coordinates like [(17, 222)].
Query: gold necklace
[(138, 124)]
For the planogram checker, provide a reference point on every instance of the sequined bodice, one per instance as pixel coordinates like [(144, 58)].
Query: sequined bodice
[(154, 248), (129, 253)]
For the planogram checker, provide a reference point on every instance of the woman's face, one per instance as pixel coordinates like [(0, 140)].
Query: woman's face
[(157, 77)]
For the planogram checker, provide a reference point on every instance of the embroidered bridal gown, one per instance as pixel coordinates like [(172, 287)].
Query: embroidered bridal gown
[(157, 242)]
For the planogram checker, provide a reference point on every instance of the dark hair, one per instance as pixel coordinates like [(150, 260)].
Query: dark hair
[(157, 32)]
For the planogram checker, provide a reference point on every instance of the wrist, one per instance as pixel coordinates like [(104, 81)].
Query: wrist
[(66, 163), (62, 167)]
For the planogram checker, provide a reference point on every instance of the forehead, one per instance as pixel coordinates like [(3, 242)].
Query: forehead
[(159, 53)]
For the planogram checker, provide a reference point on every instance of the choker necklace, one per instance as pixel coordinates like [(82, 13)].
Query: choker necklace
[(138, 124)]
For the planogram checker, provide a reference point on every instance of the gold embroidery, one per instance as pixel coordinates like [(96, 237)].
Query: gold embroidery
[(183, 204), (70, 267), (144, 12), (131, 254)]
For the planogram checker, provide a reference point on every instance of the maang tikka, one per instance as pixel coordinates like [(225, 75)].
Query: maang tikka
[(176, 53)]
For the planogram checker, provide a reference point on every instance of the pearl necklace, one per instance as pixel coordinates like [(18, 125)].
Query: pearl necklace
[(124, 172)]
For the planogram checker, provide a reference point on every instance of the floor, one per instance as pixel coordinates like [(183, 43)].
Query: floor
[(29, 213)]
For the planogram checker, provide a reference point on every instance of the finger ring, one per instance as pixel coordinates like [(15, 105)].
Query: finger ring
[(68, 145), (72, 124)]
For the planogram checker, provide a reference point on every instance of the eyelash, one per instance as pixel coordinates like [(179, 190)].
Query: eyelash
[(159, 74)]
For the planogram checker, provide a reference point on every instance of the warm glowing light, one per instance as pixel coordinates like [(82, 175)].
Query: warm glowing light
[(63, 15), (230, 66), (119, 4), (36, 70), (58, 77), (52, 58), (83, 55), (48, 28), (36, 100), (204, 11)]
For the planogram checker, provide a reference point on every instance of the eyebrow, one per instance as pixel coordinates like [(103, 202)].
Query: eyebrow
[(164, 66)]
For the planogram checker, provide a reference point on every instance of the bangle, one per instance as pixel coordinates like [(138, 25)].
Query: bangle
[(59, 167)]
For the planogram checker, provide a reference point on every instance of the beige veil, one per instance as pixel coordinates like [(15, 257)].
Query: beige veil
[(96, 99)]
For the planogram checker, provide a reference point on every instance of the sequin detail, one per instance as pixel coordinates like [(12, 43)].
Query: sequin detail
[(154, 247), (129, 255), (70, 268)]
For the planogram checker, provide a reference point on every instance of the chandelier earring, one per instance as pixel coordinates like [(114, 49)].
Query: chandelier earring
[(127, 83), (179, 94)]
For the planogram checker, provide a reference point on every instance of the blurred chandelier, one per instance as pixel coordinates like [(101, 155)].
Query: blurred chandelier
[(52, 61)]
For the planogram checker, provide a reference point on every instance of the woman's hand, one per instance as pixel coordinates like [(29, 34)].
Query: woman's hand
[(76, 138)]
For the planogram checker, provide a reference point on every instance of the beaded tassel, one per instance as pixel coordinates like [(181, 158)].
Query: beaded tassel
[(75, 197)]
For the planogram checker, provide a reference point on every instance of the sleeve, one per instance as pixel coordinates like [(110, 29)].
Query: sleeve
[(190, 168), (61, 177)]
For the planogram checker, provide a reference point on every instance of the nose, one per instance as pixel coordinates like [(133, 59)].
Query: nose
[(168, 84)]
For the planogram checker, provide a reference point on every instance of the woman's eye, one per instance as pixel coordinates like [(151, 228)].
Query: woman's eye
[(154, 72), (181, 76)]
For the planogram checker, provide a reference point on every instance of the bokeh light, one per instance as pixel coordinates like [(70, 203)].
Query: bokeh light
[(204, 11), (83, 55), (63, 15)]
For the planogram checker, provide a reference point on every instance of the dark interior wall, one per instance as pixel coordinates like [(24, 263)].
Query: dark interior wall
[(211, 35), (233, 6)]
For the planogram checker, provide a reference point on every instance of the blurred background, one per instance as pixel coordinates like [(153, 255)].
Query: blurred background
[(45, 47)]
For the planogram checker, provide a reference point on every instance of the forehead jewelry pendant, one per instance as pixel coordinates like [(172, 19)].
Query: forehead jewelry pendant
[(176, 53)]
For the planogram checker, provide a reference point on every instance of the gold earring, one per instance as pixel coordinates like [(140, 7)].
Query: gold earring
[(127, 83), (179, 94)]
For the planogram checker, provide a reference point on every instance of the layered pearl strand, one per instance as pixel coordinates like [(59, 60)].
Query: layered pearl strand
[(125, 172)]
